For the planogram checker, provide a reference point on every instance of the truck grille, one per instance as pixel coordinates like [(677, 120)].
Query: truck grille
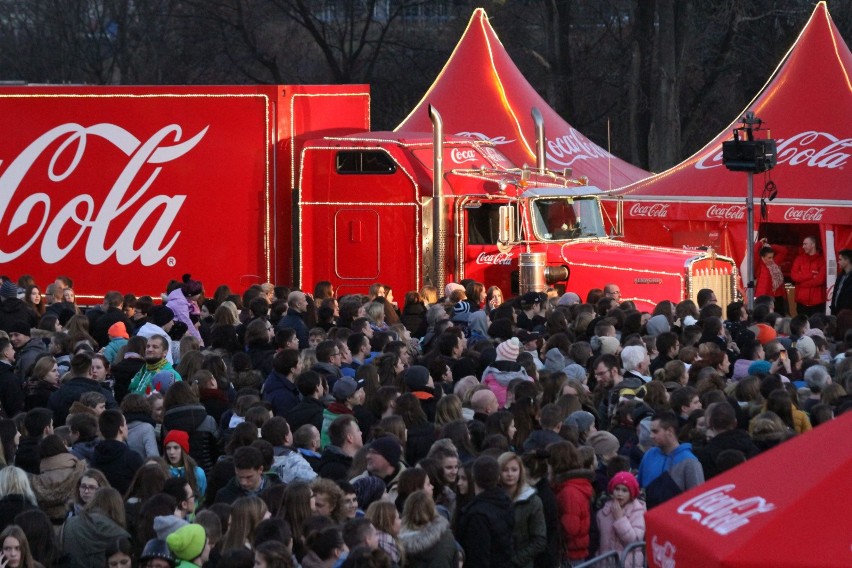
[(720, 279)]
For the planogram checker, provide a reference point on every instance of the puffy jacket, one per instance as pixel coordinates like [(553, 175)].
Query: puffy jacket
[(616, 534), (292, 466), (574, 495), (182, 308), (27, 356), (808, 273), (14, 309), (54, 487), (189, 418), (499, 374), (141, 437), (763, 277), (431, 546)]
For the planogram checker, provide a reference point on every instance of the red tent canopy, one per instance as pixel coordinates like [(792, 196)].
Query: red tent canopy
[(806, 106), (788, 507), (481, 93)]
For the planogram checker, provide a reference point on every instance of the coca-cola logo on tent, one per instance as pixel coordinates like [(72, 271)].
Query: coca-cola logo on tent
[(567, 149), (721, 512), (804, 214), (127, 194), (734, 212), (811, 148), (655, 210)]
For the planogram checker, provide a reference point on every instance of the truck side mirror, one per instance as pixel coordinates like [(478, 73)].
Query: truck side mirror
[(506, 231)]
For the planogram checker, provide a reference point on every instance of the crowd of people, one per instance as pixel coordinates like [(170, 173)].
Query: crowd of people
[(277, 428)]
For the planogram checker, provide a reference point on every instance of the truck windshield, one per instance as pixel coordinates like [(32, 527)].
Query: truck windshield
[(560, 218)]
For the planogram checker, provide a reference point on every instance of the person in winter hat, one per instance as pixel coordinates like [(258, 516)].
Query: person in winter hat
[(118, 337), (504, 369), (156, 554), (621, 521), (190, 545)]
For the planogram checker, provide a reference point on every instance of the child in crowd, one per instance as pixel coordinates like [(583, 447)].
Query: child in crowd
[(621, 521)]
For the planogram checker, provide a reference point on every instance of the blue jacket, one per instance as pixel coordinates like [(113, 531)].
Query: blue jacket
[(682, 465), (296, 321), (281, 393)]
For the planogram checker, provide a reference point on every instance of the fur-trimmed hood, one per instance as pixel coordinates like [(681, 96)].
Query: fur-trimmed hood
[(421, 540)]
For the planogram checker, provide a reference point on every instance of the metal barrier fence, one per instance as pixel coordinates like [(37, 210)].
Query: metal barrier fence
[(633, 556)]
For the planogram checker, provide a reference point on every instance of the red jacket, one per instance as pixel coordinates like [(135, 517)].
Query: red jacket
[(809, 275), (574, 495), (762, 276)]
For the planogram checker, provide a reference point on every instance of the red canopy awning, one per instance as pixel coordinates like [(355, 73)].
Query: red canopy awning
[(482, 94), (788, 507), (806, 106)]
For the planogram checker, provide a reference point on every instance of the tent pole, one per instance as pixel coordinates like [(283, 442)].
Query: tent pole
[(749, 275)]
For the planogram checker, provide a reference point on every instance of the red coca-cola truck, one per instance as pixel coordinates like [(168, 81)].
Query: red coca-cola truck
[(128, 187)]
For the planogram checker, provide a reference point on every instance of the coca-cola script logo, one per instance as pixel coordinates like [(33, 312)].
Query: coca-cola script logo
[(808, 214), (721, 512), (565, 150), (655, 210), (728, 212), (97, 217), (500, 258), (810, 148), (663, 554), (460, 155)]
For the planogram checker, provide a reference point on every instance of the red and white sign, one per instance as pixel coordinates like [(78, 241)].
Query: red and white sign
[(497, 259), (721, 512), (804, 213), (654, 210), (107, 186), (732, 212)]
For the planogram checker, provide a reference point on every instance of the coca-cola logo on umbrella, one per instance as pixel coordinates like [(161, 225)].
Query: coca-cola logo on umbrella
[(126, 195)]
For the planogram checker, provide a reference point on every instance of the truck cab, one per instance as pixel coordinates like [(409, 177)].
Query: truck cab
[(370, 208)]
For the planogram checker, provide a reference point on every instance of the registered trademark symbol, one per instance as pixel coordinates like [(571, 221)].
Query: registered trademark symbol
[(171, 261)]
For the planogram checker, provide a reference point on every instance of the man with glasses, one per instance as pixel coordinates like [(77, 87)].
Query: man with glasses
[(329, 361), (613, 291)]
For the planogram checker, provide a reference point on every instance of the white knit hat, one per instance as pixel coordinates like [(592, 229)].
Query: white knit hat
[(509, 350)]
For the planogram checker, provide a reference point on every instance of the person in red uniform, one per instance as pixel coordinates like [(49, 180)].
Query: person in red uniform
[(769, 280), (809, 276)]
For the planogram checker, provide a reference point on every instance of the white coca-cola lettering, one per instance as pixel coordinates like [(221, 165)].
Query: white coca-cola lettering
[(496, 140), (565, 150), (663, 554), (655, 210), (726, 212), (460, 156), (500, 258), (811, 148), (82, 210), (807, 214), (721, 512)]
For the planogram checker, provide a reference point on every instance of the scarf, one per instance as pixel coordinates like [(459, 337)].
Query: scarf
[(777, 275)]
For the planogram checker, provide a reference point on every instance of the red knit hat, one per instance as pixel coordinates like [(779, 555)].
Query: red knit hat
[(626, 479), (765, 333), (179, 437)]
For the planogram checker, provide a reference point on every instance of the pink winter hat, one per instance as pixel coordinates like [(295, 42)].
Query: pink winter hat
[(626, 479)]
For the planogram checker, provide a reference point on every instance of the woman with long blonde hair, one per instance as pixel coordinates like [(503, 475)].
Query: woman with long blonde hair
[(425, 536), (530, 531), (386, 519)]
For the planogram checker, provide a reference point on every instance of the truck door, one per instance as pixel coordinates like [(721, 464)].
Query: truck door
[(482, 260)]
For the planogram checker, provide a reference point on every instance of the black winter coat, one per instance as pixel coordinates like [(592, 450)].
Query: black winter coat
[(70, 392), (117, 462), (10, 506), (334, 464), (309, 411), (730, 440), (485, 530)]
